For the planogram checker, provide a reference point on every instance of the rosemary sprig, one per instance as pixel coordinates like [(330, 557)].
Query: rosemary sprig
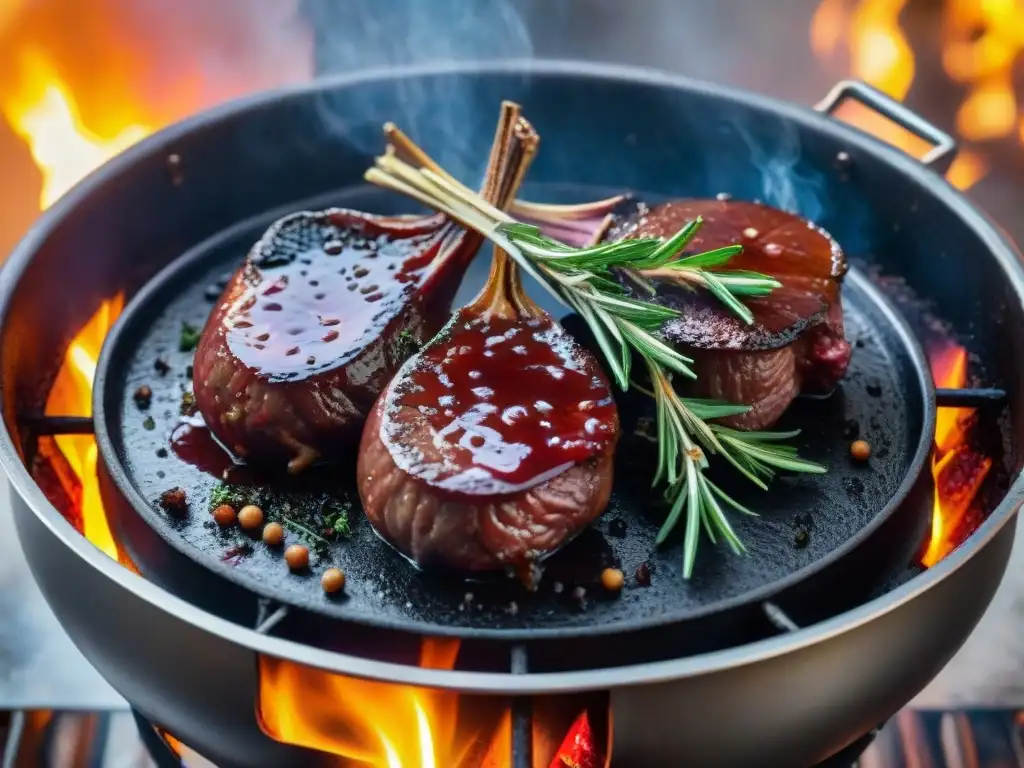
[(585, 280)]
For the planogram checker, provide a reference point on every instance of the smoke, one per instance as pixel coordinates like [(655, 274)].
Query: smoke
[(452, 117), (782, 184)]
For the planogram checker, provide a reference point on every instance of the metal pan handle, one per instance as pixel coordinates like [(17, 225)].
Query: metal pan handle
[(944, 148)]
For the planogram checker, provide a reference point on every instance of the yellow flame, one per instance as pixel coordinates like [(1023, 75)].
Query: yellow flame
[(879, 51), (880, 54), (71, 395), (379, 724), (989, 111), (827, 24), (43, 112), (983, 40)]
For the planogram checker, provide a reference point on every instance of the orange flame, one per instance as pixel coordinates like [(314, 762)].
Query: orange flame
[(44, 114), (76, 97), (381, 725), (82, 80), (880, 54), (958, 471), (983, 40), (71, 395)]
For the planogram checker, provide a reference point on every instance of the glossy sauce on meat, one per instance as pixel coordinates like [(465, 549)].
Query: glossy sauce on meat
[(509, 403), (298, 317), (800, 255)]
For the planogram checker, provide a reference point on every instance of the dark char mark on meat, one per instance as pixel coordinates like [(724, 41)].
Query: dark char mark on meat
[(796, 341)]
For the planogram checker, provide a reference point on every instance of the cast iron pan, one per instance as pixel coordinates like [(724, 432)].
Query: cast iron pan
[(807, 524)]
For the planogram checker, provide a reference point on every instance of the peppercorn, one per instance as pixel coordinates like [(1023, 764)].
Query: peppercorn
[(643, 575), (250, 517), (174, 500), (612, 579), (297, 557), (224, 515), (333, 580), (860, 450), (143, 397), (273, 534)]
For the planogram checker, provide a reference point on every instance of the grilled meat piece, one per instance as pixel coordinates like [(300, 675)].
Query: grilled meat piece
[(493, 446), (481, 463), (308, 331), (795, 343)]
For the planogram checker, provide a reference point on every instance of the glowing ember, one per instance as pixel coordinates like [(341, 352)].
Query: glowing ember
[(580, 748), (878, 52), (957, 470), (381, 725)]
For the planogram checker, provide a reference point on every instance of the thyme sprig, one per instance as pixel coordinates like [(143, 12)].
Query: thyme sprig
[(585, 280)]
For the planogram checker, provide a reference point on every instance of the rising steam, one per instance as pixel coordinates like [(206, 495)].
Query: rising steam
[(782, 185), (452, 118)]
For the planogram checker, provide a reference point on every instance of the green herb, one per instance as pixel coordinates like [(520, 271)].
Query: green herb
[(405, 345), (586, 280), (149, 423), (311, 537), (336, 519), (188, 405), (315, 517), (189, 337), (226, 493)]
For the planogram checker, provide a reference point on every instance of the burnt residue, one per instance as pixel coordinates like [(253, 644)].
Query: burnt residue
[(143, 397), (174, 501)]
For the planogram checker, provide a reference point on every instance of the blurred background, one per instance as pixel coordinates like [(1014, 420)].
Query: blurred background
[(81, 80)]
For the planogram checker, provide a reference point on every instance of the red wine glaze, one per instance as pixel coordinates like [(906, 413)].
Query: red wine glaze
[(308, 332), (510, 404), (316, 312), (192, 442)]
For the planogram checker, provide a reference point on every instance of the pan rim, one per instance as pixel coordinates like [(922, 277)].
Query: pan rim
[(998, 245)]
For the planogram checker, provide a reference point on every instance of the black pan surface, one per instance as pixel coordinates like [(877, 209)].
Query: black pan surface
[(805, 524)]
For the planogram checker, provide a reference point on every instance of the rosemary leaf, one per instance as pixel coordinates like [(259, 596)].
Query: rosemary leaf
[(713, 258), (669, 248), (616, 361), (756, 436), (729, 499), (674, 514), (640, 312), (722, 293), (712, 409), (690, 541)]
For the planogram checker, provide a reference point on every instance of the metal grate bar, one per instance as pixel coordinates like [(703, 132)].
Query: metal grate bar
[(58, 425), (269, 614), (522, 714), (779, 618), (969, 398)]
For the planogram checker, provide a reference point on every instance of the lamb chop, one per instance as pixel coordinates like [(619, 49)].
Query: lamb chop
[(323, 311), (795, 342), (493, 446)]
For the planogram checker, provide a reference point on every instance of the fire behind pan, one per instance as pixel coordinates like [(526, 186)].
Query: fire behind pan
[(807, 528)]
